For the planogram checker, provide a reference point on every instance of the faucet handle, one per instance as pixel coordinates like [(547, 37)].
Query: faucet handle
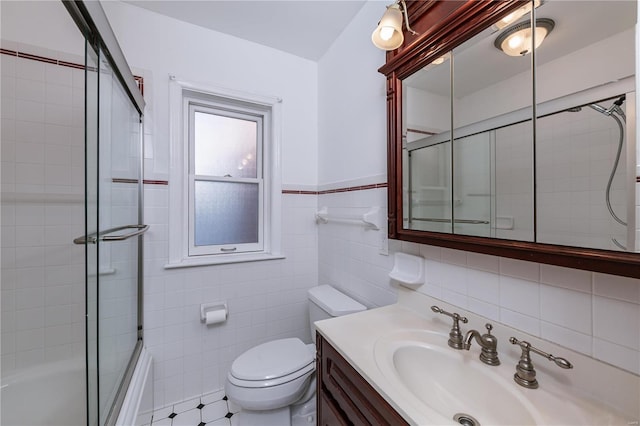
[(455, 336), (489, 353), (525, 373)]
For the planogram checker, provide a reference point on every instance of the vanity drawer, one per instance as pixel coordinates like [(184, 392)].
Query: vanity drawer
[(344, 397)]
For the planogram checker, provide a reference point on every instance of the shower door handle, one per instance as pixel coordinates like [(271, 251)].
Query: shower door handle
[(102, 236)]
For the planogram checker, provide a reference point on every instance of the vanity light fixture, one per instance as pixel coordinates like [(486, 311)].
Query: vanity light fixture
[(515, 15), (388, 34), (517, 39)]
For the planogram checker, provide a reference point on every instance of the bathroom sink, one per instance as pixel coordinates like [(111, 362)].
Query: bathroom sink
[(448, 383)]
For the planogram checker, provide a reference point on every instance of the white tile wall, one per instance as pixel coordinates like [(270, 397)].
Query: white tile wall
[(592, 313), (42, 211), (349, 256), (267, 300)]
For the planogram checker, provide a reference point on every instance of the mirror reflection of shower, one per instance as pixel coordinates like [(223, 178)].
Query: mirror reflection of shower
[(616, 113)]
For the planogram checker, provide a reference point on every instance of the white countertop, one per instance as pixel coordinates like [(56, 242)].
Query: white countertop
[(591, 393)]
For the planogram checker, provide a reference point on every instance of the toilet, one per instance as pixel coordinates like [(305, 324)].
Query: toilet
[(274, 383)]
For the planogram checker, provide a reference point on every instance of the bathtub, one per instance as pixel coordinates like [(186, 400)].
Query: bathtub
[(49, 394)]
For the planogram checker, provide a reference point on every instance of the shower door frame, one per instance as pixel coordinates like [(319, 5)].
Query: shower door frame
[(93, 23)]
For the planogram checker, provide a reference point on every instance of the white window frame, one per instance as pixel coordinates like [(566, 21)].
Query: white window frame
[(191, 106), (182, 97)]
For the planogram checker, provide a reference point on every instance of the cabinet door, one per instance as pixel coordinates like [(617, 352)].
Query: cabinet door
[(329, 414), (348, 395)]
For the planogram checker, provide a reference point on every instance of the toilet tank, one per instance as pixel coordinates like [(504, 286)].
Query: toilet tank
[(327, 302)]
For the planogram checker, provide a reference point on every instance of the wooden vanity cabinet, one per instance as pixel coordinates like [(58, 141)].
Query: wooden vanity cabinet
[(344, 396)]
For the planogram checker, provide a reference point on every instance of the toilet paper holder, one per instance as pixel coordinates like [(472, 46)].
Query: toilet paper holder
[(216, 306)]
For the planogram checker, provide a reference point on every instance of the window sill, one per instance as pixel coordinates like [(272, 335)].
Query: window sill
[(222, 260)]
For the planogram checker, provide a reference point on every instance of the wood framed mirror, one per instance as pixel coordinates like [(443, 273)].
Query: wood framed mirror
[(443, 27)]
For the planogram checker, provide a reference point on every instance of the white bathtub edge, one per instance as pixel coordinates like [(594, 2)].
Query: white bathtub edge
[(131, 404)]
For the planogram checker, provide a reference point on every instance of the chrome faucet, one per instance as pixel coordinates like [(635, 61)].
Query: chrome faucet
[(455, 336), (488, 343), (525, 373)]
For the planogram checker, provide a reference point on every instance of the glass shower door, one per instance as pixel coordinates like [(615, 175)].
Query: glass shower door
[(114, 185)]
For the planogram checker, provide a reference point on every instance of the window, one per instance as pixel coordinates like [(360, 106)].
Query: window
[(224, 189)]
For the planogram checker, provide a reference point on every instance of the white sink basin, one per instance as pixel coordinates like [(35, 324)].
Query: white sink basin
[(451, 382)]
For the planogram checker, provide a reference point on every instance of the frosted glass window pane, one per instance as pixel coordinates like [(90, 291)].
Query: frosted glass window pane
[(226, 213), (225, 146)]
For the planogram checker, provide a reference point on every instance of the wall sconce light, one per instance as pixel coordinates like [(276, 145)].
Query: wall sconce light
[(388, 34), (516, 40)]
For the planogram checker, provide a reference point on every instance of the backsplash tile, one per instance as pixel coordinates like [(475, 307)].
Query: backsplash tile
[(571, 339), (520, 296), (522, 322), (488, 310), (483, 262), (614, 287), (566, 308), (520, 269), (617, 355), (613, 322), (559, 276), (484, 286)]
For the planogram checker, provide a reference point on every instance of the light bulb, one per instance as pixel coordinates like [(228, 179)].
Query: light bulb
[(515, 41), (386, 33)]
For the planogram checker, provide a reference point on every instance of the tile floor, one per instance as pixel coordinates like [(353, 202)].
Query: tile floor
[(212, 410)]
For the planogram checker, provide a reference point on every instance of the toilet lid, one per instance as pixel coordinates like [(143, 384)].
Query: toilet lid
[(272, 360)]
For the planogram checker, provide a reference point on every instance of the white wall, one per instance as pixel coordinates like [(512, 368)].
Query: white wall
[(158, 46), (42, 24), (595, 314), (351, 119), (266, 300)]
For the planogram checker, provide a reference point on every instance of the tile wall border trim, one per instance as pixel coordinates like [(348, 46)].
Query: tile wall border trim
[(24, 55), (144, 181), (333, 191)]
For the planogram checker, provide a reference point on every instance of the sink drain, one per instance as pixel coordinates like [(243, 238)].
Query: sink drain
[(465, 420)]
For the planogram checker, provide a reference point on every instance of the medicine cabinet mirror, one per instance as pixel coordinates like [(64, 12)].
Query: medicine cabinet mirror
[(531, 156)]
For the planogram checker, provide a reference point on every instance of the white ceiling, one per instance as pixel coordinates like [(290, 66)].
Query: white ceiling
[(305, 28)]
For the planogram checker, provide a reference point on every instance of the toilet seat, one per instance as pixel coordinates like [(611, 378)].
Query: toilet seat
[(273, 363)]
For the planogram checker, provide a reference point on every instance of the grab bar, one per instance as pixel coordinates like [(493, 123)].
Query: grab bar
[(369, 219), (433, 219), (102, 236)]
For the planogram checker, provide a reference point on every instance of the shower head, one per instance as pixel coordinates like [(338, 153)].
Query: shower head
[(615, 107), (574, 109)]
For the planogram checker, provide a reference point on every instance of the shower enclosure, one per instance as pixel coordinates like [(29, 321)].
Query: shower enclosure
[(71, 275)]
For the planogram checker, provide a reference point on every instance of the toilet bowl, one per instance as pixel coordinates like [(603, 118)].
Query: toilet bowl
[(274, 383)]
